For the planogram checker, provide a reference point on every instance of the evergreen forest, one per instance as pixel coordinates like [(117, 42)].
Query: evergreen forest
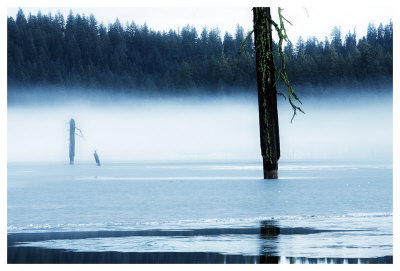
[(81, 52)]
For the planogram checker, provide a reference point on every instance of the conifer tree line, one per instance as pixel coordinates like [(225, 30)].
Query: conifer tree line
[(80, 52)]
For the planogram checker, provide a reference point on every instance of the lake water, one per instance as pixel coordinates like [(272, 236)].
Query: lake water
[(316, 209), (181, 181)]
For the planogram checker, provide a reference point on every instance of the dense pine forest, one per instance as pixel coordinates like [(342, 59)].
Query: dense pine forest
[(81, 52)]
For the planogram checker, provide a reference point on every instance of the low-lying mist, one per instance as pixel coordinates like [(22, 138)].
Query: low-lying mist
[(219, 128)]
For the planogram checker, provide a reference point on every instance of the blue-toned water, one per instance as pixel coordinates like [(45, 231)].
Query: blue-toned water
[(353, 199), (181, 181)]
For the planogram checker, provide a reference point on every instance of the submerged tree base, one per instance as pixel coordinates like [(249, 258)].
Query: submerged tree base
[(271, 174), (270, 170)]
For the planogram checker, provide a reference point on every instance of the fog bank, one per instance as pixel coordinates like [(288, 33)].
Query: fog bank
[(351, 127)]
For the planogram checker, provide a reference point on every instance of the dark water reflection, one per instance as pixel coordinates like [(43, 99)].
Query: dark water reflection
[(269, 232)]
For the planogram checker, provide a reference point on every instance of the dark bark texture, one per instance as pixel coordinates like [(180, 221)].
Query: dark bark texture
[(267, 100)]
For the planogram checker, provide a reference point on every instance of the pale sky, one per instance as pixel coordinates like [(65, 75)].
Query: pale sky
[(315, 20)]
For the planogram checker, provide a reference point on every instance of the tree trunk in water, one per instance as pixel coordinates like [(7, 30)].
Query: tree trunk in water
[(267, 105), (71, 141)]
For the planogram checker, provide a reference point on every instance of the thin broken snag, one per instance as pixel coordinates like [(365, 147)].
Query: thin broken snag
[(96, 158), (71, 141)]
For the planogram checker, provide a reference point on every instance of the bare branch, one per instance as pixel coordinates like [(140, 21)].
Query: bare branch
[(244, 43), (80, 132), (281, 31)]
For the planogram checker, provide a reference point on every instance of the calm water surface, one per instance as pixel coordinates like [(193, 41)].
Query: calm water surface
[(322, 209)]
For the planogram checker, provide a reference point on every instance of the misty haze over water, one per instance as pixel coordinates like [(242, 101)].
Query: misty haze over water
[(346, 126)]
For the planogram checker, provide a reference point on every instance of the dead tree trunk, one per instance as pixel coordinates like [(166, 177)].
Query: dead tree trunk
[(71, 141), (267, 104)]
